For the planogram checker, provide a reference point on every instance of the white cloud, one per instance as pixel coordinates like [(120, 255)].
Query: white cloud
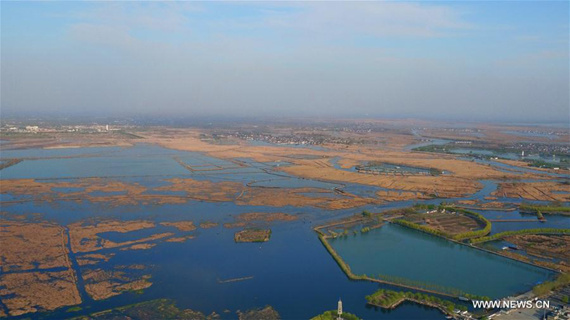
[(373, 19), (313, 19), (166, 16)]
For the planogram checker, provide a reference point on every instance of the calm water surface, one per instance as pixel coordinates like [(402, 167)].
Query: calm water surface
[(398, 251)]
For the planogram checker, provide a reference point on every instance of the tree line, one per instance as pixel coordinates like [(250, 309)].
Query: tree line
[(501, 235)]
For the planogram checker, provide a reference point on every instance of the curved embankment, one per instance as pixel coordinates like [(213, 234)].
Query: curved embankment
[(452, 237)]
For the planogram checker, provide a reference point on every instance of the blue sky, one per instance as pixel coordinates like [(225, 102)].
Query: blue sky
[(481, 60)]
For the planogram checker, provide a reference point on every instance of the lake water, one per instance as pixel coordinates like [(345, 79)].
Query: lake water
[(552, 220), (293, 272), (401, 252), (60, 152)]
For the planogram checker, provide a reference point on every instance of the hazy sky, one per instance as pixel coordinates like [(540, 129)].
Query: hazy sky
[(470, 60)]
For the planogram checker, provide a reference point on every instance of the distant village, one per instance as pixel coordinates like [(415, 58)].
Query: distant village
[(309, 139), (11, 128)]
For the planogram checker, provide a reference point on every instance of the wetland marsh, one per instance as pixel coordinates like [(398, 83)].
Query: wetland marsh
[(153, 221)]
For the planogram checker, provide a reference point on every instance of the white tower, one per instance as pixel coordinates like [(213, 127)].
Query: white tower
[(339, 309), (522, 153)]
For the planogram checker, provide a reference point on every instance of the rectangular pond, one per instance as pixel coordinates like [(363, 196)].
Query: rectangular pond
[(396, 251)]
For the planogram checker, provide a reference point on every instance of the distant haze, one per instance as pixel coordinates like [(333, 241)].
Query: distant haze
[(450, 60)]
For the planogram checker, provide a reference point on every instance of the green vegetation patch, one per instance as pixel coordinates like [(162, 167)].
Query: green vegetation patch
[(389, 299), (446, 148), (332, 315), (545, 287), (422, 228), (458, 237), (267, 313), (154, 309), (501, 235), (554, 208), (252, 235), (74, 309), (548, 165)]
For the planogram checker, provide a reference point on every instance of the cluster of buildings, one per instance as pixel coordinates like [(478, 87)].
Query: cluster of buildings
[(461, 131), (12, 128), (540, 132), (291, 139), (543, 148), (558, 313), (389, 169), (440, 211)]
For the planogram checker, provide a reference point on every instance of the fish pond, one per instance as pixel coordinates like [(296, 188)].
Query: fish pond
[(399, 252)]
